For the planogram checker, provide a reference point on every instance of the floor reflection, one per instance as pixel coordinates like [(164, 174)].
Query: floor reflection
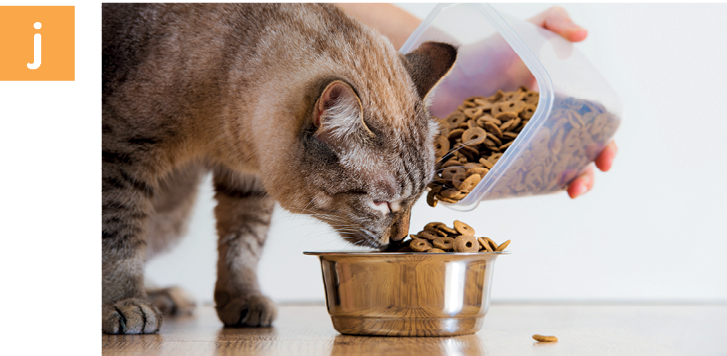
[(241, 341)]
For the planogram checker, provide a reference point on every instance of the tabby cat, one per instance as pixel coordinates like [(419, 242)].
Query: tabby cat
[(298, 104)]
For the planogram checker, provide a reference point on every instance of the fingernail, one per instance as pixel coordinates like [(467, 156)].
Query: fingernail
[(581, 189)]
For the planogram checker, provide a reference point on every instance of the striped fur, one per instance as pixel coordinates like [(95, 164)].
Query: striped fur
[(234, 88)]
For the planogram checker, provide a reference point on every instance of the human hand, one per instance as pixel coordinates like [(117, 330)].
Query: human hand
[(584, 182), (506, 71), (556, 19)]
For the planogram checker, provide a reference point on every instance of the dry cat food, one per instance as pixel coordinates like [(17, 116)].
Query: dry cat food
[(437, 237), (474, 138), (543, 338)]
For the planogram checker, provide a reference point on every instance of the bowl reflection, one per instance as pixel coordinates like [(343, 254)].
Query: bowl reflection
[(451, 346)]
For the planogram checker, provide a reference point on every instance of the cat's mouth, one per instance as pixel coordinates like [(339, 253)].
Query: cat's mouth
[(393, 246)]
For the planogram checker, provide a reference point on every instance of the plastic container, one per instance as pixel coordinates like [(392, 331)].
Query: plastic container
[(549, 152)]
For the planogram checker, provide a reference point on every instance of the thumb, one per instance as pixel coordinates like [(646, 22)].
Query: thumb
[(556, 19)]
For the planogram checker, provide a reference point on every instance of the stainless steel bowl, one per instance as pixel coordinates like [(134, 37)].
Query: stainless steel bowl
[(407, 294)]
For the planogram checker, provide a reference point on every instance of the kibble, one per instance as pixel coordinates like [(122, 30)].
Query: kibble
[(543, 338), (480, 131), (437, 237)]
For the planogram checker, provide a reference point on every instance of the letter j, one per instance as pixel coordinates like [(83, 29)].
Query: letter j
[(36, 48)]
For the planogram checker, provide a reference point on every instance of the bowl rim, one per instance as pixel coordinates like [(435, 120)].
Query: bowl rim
[(377, 253)]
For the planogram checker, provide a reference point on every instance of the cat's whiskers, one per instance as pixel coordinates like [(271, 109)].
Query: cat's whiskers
[(307, 205), (323, 237), (346, 233)]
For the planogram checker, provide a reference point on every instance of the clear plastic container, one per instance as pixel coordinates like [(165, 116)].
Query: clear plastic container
[(577, 114)]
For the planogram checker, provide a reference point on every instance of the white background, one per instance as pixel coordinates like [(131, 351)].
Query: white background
[(652, 228), (50, 203)]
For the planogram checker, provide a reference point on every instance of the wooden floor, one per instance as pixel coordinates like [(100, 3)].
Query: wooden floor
[(582, 330)]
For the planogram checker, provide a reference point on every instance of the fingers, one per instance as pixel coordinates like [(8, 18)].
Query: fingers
[(556, 19), (582, 184), (605, 159)]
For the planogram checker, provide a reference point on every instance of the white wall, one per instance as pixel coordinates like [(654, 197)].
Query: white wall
[(651, 230)]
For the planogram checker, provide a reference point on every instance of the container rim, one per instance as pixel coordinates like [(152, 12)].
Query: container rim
[(370, 254)]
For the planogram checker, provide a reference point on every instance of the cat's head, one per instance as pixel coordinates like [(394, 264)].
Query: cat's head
[(366, 149)]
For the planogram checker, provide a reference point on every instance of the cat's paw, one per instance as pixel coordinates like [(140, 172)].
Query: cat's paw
[(131, 316), (255, 310), (172, 300)]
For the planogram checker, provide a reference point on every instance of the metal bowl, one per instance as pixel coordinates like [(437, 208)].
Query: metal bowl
[(407, 294)]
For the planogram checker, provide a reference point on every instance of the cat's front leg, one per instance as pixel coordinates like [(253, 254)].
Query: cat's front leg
[(126, 205), (243, 215)]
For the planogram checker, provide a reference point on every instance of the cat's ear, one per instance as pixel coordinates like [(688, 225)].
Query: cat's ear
[(338, 114), (428, 64)]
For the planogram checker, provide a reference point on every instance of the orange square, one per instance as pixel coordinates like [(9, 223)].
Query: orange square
[(23, 29)]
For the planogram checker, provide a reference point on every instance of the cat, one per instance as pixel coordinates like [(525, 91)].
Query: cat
[(298, 104)]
